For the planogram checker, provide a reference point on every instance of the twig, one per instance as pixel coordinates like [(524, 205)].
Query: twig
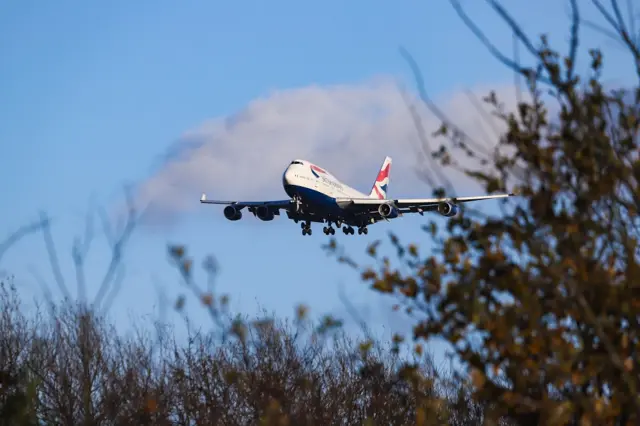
[(18, 235), (53, 257)]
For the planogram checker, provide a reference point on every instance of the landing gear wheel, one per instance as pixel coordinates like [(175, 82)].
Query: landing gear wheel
[(365, 231), (359, 231), (328, 230), (348, 230)]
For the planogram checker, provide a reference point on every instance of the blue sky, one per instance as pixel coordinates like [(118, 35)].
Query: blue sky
[(94, 95)]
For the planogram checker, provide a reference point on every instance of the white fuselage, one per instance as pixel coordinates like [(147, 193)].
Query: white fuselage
[(315, 185)]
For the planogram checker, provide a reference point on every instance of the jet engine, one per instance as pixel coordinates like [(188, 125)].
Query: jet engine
[(232, 213), (447, 209), (264, 213), (387, 210)]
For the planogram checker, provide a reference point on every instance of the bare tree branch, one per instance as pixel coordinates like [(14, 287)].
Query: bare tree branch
[(528, 72), (53, 257), (19, 235), (79, 252), (133, 217)]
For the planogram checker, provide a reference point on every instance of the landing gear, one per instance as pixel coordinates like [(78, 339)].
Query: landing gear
[(306, 228), (298, 202), (348, 230), (328, 230)]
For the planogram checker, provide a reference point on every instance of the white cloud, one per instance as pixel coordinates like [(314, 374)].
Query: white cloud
[(347, 129)]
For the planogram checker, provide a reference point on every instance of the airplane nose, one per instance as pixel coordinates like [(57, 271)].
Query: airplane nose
[(286, 177)]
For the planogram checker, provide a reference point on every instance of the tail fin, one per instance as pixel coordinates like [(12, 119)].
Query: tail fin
[(379, 189)]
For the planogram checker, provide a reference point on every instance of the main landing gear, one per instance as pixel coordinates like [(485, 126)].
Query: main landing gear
[(348, 230), (328, 230)]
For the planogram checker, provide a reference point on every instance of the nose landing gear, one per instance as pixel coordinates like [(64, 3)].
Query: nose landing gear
[(306, 228), (298, 203)]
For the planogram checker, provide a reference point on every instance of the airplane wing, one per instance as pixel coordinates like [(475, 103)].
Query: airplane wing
[(278, 204), (412, 203)]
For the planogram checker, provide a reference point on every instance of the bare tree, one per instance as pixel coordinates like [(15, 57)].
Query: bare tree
[(282, 373)]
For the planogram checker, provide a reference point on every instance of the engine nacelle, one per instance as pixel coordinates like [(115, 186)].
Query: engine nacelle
[(264, 213), (232, 213), (447, 209), (387, 211)]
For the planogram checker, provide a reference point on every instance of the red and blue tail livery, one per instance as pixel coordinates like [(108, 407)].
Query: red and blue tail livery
[(316, 196), (379, 190)]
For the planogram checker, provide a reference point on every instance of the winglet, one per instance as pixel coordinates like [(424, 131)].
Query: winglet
[(203, 197)]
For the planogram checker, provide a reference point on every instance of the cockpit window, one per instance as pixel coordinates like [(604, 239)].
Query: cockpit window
[(296, 162)]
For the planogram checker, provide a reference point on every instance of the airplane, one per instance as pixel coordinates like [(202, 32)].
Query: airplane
[(317, 196)]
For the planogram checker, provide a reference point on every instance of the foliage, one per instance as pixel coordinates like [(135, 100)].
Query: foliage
[(542, 305), (72, 367)]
